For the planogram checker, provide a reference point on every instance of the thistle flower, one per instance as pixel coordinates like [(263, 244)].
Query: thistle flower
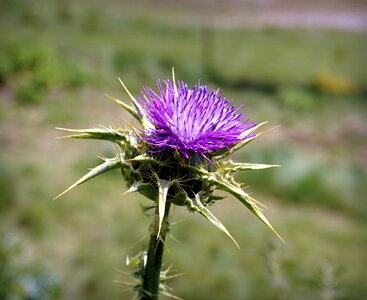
[(195, 123), (177, 157), (192, 121)]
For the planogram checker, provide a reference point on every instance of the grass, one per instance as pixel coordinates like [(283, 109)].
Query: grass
[(55, 72)]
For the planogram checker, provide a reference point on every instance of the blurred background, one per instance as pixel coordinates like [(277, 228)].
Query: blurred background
[(298, 64)]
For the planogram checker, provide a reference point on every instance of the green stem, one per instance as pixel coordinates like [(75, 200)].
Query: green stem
[(152, 270)]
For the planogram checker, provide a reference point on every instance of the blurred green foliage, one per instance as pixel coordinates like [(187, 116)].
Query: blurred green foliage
[(335, 186), (91, 20), (34, 69), (24, 280), (7, 186), (62, 56), (299, 99)]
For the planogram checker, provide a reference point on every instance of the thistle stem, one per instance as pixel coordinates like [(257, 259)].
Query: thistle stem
[(152, 270)]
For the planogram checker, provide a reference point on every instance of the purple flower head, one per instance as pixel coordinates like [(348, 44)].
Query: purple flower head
[(197, 120)]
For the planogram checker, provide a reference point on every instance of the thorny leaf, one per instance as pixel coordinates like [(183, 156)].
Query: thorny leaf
[(196, 205), (107, 165), (225, 185), (163, 186), (231, 167), (107, 134)]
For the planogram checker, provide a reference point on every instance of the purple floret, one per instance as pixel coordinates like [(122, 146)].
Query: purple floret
[(197, 120)]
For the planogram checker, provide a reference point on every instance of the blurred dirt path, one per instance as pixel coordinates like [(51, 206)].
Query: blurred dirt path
[(343, 20), (329, 14)]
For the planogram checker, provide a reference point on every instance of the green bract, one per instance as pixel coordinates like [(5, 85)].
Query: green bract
[(169, 176)]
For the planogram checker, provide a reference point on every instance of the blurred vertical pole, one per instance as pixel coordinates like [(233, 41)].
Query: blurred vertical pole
[(207, 48)]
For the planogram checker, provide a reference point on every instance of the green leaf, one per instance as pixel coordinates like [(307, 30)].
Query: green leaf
[(196, 205), (107, 134), (107, 165)]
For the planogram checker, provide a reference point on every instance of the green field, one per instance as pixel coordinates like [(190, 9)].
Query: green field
[(57, 62)]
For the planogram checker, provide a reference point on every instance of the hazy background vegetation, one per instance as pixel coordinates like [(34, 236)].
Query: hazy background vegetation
[(298, 65)]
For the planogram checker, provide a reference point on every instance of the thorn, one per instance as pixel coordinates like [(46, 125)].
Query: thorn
[(119, 102), (128, 92)]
